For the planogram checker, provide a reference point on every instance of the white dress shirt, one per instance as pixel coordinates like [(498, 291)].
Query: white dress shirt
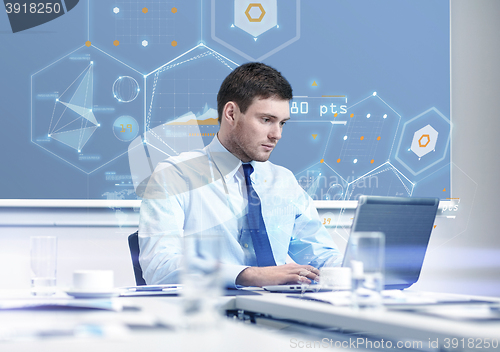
[(203, 192)]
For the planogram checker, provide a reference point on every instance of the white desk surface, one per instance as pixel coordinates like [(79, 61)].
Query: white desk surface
[(386, 323), (227, 336), (233, 337)]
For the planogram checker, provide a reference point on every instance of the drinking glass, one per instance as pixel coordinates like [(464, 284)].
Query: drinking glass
[(201, 279), (43, 265), (367, 253)]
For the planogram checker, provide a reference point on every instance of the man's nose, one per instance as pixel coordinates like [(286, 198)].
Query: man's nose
[(275, 132)]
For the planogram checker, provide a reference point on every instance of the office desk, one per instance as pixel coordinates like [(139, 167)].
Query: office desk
[(157, 329), (233, 337), (388, 324), (154, 326)]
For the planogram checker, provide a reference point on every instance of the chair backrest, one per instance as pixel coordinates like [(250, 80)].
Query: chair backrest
[(133, 244)]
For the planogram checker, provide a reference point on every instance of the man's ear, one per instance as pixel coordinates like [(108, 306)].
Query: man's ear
[(230, 112)]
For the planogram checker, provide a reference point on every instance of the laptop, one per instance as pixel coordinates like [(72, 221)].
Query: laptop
[(407, 224)]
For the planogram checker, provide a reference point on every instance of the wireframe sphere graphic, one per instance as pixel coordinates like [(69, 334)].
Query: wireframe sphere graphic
[(126, 89)]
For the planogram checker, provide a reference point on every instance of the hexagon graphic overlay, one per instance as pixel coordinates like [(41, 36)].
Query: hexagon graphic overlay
[(255, 29), (427, 140), (255, 18), (424, 141), (76, 100), (177, 102)]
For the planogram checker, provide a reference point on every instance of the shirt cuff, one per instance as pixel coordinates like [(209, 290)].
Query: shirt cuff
[(230, 272)]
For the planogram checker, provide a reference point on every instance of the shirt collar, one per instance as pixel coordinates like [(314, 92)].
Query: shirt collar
[(227, 163)]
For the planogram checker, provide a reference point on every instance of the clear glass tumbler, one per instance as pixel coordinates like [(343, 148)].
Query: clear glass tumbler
[(43, 265), (201, 279), (367, 260)]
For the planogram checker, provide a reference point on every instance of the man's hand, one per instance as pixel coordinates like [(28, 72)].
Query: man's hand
[(277, 275)]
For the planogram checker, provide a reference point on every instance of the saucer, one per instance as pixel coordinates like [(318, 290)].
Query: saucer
[(92, 294)]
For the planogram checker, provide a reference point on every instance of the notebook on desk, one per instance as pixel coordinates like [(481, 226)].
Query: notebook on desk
[(407, 225)]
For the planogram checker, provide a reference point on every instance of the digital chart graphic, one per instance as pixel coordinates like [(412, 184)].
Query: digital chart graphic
[(75, 132), (370, 113), (85, 108)]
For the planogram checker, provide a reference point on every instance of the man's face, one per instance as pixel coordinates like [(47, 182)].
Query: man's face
[(258, 130)]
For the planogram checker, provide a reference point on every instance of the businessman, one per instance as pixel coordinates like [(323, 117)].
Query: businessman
[(231, 190)]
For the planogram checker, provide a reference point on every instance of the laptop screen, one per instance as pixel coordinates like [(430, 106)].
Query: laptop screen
[(407, 225)]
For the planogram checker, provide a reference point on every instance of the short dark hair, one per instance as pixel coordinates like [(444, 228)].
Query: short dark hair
[(249, 81)]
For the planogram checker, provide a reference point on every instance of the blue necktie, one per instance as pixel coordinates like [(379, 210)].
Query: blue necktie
[(256, 224)]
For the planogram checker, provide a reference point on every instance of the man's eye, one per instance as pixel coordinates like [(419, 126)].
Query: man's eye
[(283, 124), (266, 120)]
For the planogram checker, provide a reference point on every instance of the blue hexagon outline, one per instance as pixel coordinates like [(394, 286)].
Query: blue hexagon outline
[(200, 45), (266, 55), (31, 112), (401, 140), (373, 95)]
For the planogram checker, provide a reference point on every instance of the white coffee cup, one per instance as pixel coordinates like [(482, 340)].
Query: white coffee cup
[(93, 280), (335, 278)]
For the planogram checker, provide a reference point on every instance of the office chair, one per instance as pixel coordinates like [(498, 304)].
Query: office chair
[(133, 244)]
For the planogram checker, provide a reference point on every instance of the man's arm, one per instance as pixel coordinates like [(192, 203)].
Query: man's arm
[(160, 234), (311, 243), (311, 246), (277, 275), (162, 225)]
